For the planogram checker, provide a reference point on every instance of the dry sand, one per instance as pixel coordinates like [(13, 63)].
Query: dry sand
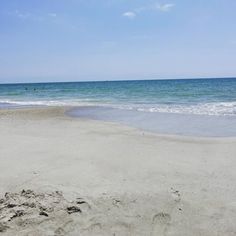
[(65, 176)]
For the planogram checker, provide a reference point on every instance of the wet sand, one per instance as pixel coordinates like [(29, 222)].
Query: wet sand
[(65, 176)]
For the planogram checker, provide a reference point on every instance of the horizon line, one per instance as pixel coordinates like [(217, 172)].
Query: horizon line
[(122, 80)]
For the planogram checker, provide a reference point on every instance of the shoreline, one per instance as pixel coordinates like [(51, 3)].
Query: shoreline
[(187, 125), (131, 182), (67, 112)]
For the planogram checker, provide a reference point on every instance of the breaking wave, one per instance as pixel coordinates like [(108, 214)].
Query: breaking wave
[(217, 108)]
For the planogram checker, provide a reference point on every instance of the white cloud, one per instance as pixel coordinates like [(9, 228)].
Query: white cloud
[(153, 7), (129, 14), (165, 7)]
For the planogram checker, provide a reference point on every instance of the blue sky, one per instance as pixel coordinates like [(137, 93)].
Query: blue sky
[(68, 40)]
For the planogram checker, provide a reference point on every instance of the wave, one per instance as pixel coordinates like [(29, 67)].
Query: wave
[(46, 103), (216, 108)]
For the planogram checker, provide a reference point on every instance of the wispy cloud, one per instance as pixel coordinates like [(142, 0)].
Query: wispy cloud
[(48, 18), (25, 15), (129, 14), (22, 15), (153, 7), (30, 16), (165, 7)]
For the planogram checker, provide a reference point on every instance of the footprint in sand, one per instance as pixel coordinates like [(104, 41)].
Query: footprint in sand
[(176, 195), (160, 224)]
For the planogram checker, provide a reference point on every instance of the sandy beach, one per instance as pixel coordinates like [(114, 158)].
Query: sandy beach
[(67, 176)]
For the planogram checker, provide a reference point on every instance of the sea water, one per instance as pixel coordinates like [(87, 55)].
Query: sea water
[(202, 107)]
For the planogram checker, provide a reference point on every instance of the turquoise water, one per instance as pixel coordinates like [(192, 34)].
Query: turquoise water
[(199, 96), (199, 107)]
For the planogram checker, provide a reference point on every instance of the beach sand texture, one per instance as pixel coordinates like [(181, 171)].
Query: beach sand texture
[(65, 176)]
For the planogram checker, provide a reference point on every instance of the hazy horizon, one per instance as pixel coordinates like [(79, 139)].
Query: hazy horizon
[(119, 80)]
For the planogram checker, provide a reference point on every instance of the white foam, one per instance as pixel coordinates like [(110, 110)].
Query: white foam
[(217, 108), (46, 102)]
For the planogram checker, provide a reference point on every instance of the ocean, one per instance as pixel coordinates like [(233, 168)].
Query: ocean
[(204, 107)]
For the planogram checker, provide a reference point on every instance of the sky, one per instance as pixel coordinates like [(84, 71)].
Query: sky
[(80, 40)]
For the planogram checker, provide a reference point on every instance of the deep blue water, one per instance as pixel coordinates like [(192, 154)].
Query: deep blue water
[(199, 107)]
